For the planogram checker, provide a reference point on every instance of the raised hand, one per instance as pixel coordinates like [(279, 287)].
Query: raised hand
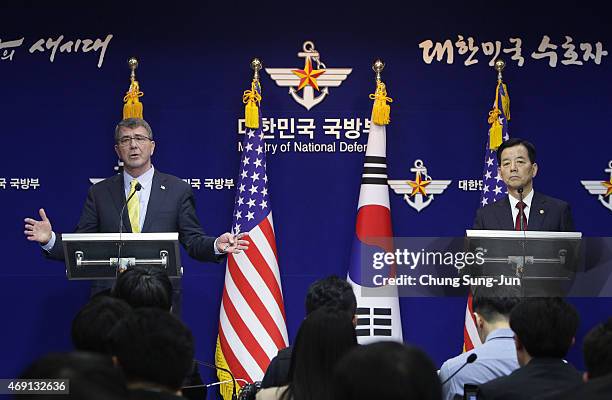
[(38, 231), (228, 243)]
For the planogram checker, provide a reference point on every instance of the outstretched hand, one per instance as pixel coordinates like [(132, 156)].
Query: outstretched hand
[(38, 231), (228, 243)]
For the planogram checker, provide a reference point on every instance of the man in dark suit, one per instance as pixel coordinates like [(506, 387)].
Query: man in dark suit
[(157, 203), (597, 351), (544, 329), (517, 168)]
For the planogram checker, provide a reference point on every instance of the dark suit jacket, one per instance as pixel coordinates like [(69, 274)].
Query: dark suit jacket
[(595, 389), (541, 377), (171, 208), (277, 373), (546, 214)]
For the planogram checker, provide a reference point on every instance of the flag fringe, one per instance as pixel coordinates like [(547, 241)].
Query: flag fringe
[(225, 388), (133, 107), (381, 111), (251, 98)]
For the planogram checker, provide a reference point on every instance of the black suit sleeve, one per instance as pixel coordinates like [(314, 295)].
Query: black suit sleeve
[(478, 223), (567, 222), (88, 223), (191, 235), (277, 373)]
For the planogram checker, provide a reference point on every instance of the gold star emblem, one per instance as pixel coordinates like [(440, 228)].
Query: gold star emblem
[(308, 76), (608, 186), (418, 186)]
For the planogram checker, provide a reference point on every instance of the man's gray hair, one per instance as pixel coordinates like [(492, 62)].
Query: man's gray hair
[(132, 123)]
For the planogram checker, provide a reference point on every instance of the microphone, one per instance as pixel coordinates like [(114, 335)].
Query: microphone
[(137, 188), (234, 397), (471, 358)]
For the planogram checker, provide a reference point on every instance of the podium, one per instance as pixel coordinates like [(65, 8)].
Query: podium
[(544, 262), (96, 256)]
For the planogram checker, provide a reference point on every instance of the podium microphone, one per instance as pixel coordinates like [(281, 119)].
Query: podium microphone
[(471, 358), (234, 396), (137, 188)]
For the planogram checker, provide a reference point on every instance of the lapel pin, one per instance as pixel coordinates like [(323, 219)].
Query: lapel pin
[(162, 187), (541, 211)]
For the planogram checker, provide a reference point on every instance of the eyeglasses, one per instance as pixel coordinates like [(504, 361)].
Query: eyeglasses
[(140, 139)]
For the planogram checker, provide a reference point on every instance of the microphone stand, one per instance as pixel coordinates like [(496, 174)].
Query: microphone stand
[(471, 358), (234, 396), (521, 269), (137, 188)]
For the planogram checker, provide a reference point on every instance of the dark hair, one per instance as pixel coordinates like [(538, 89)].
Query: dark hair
[(92, 324), (597, 350), (92, 376), (144, 287), (386, 371), (531, 151), (153, 346), (323, 338), (331, 292), (545, 326), (132, 123), (495, 302)]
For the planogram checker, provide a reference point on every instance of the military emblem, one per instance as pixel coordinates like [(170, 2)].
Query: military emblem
[(420, 192), (313, 77), (603, 189)]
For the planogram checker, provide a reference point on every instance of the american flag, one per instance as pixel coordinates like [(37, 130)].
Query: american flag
[(252, 318), (493, 189)]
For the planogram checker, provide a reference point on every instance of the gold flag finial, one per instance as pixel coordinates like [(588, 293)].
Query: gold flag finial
[(256, 66), (132, 107), (252, 97), (381, 110), (378, 66), (499, 67)]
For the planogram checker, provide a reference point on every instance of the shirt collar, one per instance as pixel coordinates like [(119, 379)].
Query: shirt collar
[(145, 179), (500, 333), (527, 200)]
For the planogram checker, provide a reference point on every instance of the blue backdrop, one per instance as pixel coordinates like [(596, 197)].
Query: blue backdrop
[(59, 109)]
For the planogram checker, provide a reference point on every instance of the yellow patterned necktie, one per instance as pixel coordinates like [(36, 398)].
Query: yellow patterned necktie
[(133, 207)]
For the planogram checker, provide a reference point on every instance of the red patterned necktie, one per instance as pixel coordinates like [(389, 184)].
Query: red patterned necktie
[(521, 214)]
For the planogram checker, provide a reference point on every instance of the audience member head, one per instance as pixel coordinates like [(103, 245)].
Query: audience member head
[(92, 324), (386, 371), (144, 287), (543, 327), (597, 350), (92, 376), (331, 292), (325, 335), (492, 307), (154, 348)]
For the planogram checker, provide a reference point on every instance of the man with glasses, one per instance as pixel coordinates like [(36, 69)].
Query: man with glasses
[(157, 203)]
